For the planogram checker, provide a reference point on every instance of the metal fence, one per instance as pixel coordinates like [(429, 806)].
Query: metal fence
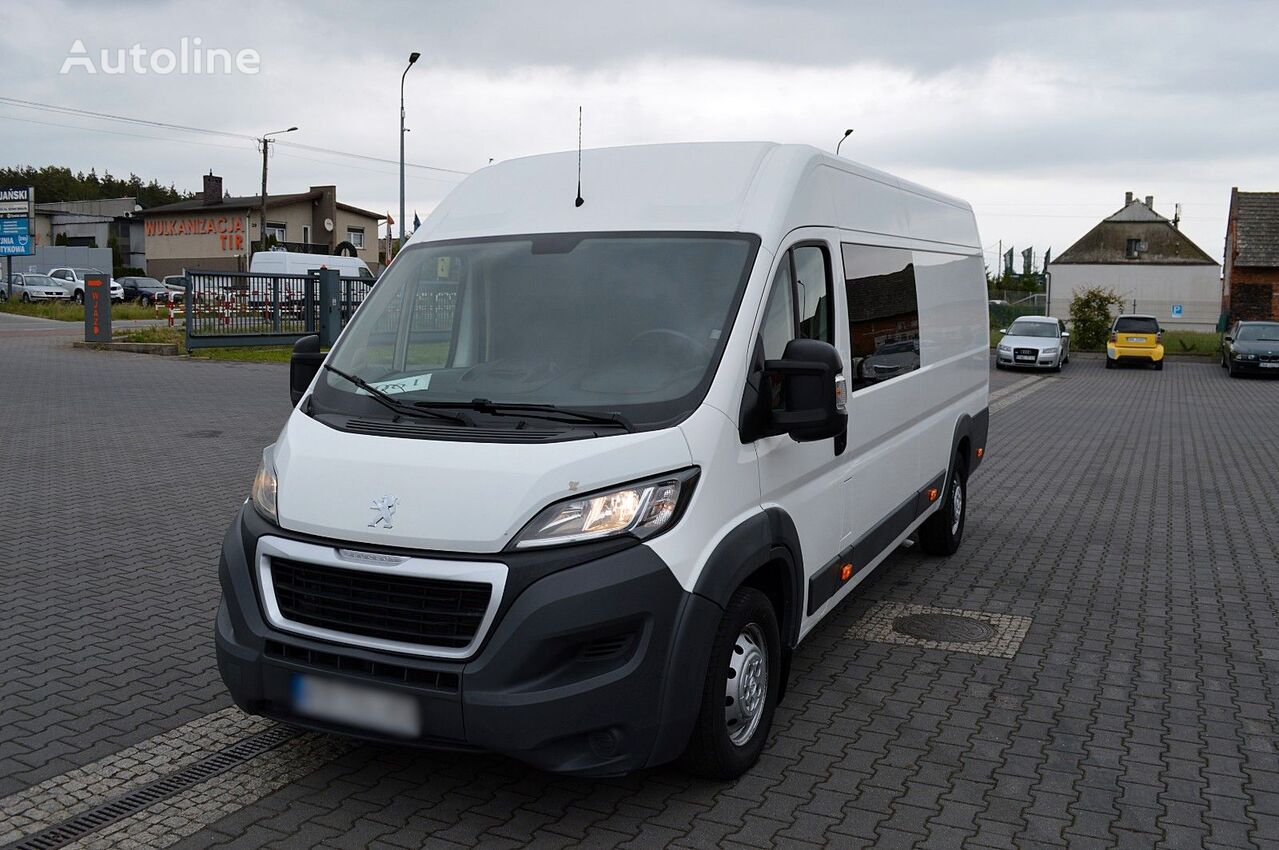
[(225, 308)]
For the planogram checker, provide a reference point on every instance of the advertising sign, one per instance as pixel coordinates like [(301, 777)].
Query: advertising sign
[(16, 209), (97, 308)]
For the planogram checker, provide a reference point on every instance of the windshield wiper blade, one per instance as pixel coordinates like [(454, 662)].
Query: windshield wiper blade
[(549, 412), (395, 404)]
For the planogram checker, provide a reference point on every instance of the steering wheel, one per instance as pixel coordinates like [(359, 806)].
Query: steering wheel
[(658, 333)]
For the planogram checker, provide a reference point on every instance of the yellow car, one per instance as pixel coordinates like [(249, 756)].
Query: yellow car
[(1135, 339)]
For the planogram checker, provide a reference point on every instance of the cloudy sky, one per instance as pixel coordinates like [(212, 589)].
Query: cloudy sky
[(1040, 114)]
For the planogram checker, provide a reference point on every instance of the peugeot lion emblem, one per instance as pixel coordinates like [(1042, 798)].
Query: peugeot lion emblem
[(385, 507)]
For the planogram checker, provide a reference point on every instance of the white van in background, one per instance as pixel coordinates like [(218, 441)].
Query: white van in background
[(581, 473), (289, 263)]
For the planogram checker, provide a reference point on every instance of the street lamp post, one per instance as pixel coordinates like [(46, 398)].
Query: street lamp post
[(413, 57), (847, 133), (266, 141)]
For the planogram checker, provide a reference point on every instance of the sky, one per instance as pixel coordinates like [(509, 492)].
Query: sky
[(1042, 115)]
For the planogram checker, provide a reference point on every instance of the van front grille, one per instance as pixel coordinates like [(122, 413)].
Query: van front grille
[(407, 609)]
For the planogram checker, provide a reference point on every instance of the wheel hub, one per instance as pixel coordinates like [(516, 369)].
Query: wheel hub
[(957, 506), (747, 685)]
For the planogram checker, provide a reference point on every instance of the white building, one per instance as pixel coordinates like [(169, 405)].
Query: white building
[(1145, 258)]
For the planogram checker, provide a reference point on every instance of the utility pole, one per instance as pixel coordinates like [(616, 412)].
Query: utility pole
[(266, 142), (413, 57)]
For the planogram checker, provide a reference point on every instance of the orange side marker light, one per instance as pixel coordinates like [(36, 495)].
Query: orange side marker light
[(932, 494), (980, 452), (846, 572)]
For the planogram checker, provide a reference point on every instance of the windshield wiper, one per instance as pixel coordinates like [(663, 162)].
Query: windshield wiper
[(395, 404), (549, 412)]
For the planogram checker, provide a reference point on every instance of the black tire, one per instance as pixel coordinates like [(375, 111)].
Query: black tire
[(1110, 364), (1000, 366), (1231, 370), (942, 532), (144, 300), (1159, 365), (1223, 360), (78, 297), (26, 298), (712, 751), (1057, 365)]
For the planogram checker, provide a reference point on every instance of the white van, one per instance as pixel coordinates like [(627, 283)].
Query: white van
[(290, 263), (579, 477)]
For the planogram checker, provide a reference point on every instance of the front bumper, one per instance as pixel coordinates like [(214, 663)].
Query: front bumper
[(1260, 367), (1041, 361), (594, 664)]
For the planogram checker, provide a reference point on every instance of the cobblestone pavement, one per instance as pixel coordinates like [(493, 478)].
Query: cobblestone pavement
[(1125, 520)]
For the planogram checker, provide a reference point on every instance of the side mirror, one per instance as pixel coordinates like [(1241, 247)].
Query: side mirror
[(304, 365), (1229, 338), (807, 398), (1065, 334), (1003, 330)]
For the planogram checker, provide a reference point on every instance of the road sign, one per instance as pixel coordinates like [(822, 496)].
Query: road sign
[(1176, 311), (16, 208)]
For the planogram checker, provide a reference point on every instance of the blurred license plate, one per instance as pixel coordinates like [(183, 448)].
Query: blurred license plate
[(355, 705), (1136, 339), (1270, 365)]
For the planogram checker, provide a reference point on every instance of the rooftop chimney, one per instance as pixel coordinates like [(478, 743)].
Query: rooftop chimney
[(1150, 202), (212, 189), (1127, 198)]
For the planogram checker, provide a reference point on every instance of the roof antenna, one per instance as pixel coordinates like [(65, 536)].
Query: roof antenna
[(579, 200)]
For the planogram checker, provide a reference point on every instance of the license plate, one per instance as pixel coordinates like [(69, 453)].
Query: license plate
[(1027, 357), (1136, 339), (1270, 365), (355, 705)]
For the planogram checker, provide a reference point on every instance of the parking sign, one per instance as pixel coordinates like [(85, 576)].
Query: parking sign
[(1176, 311)]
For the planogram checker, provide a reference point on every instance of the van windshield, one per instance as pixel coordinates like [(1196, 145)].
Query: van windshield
[(632, 324)]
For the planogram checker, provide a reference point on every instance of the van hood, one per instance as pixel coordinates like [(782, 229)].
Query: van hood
[(449, 496)]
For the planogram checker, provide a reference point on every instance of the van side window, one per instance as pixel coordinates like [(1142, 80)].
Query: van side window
[(812, 285), (883, 313), (778, 327)]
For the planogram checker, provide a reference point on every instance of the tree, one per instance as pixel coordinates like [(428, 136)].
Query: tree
[(55, 183), (1091, 316)]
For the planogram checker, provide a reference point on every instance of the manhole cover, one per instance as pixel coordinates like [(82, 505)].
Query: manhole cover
[(202, 435), (944, 628)]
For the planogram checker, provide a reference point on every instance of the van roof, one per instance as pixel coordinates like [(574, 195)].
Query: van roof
[(750, 187)]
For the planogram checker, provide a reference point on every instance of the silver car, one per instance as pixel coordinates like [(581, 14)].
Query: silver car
[(1039, 342), (35, 287)]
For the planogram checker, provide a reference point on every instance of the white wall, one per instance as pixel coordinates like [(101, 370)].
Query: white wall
[(1154, 289)]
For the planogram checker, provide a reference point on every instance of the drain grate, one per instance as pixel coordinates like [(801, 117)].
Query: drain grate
[(944, 628), (75, 828)]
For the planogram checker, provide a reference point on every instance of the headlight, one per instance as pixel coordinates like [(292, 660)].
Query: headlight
[(263, 492), (1049, 351), (641, 510), (1247, 357), (1003, 347)]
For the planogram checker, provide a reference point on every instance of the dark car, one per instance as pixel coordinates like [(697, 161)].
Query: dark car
[(146, 290), (1251, 348)]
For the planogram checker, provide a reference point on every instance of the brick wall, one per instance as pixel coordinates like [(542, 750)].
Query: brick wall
[(1254, 293)]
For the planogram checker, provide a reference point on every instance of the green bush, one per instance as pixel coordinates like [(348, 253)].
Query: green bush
[(1092, 311)]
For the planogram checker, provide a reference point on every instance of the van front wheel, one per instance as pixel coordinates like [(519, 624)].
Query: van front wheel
[(740, 692), (942, 532)]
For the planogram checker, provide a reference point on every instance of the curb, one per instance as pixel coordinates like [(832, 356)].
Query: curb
[(164, 349)]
